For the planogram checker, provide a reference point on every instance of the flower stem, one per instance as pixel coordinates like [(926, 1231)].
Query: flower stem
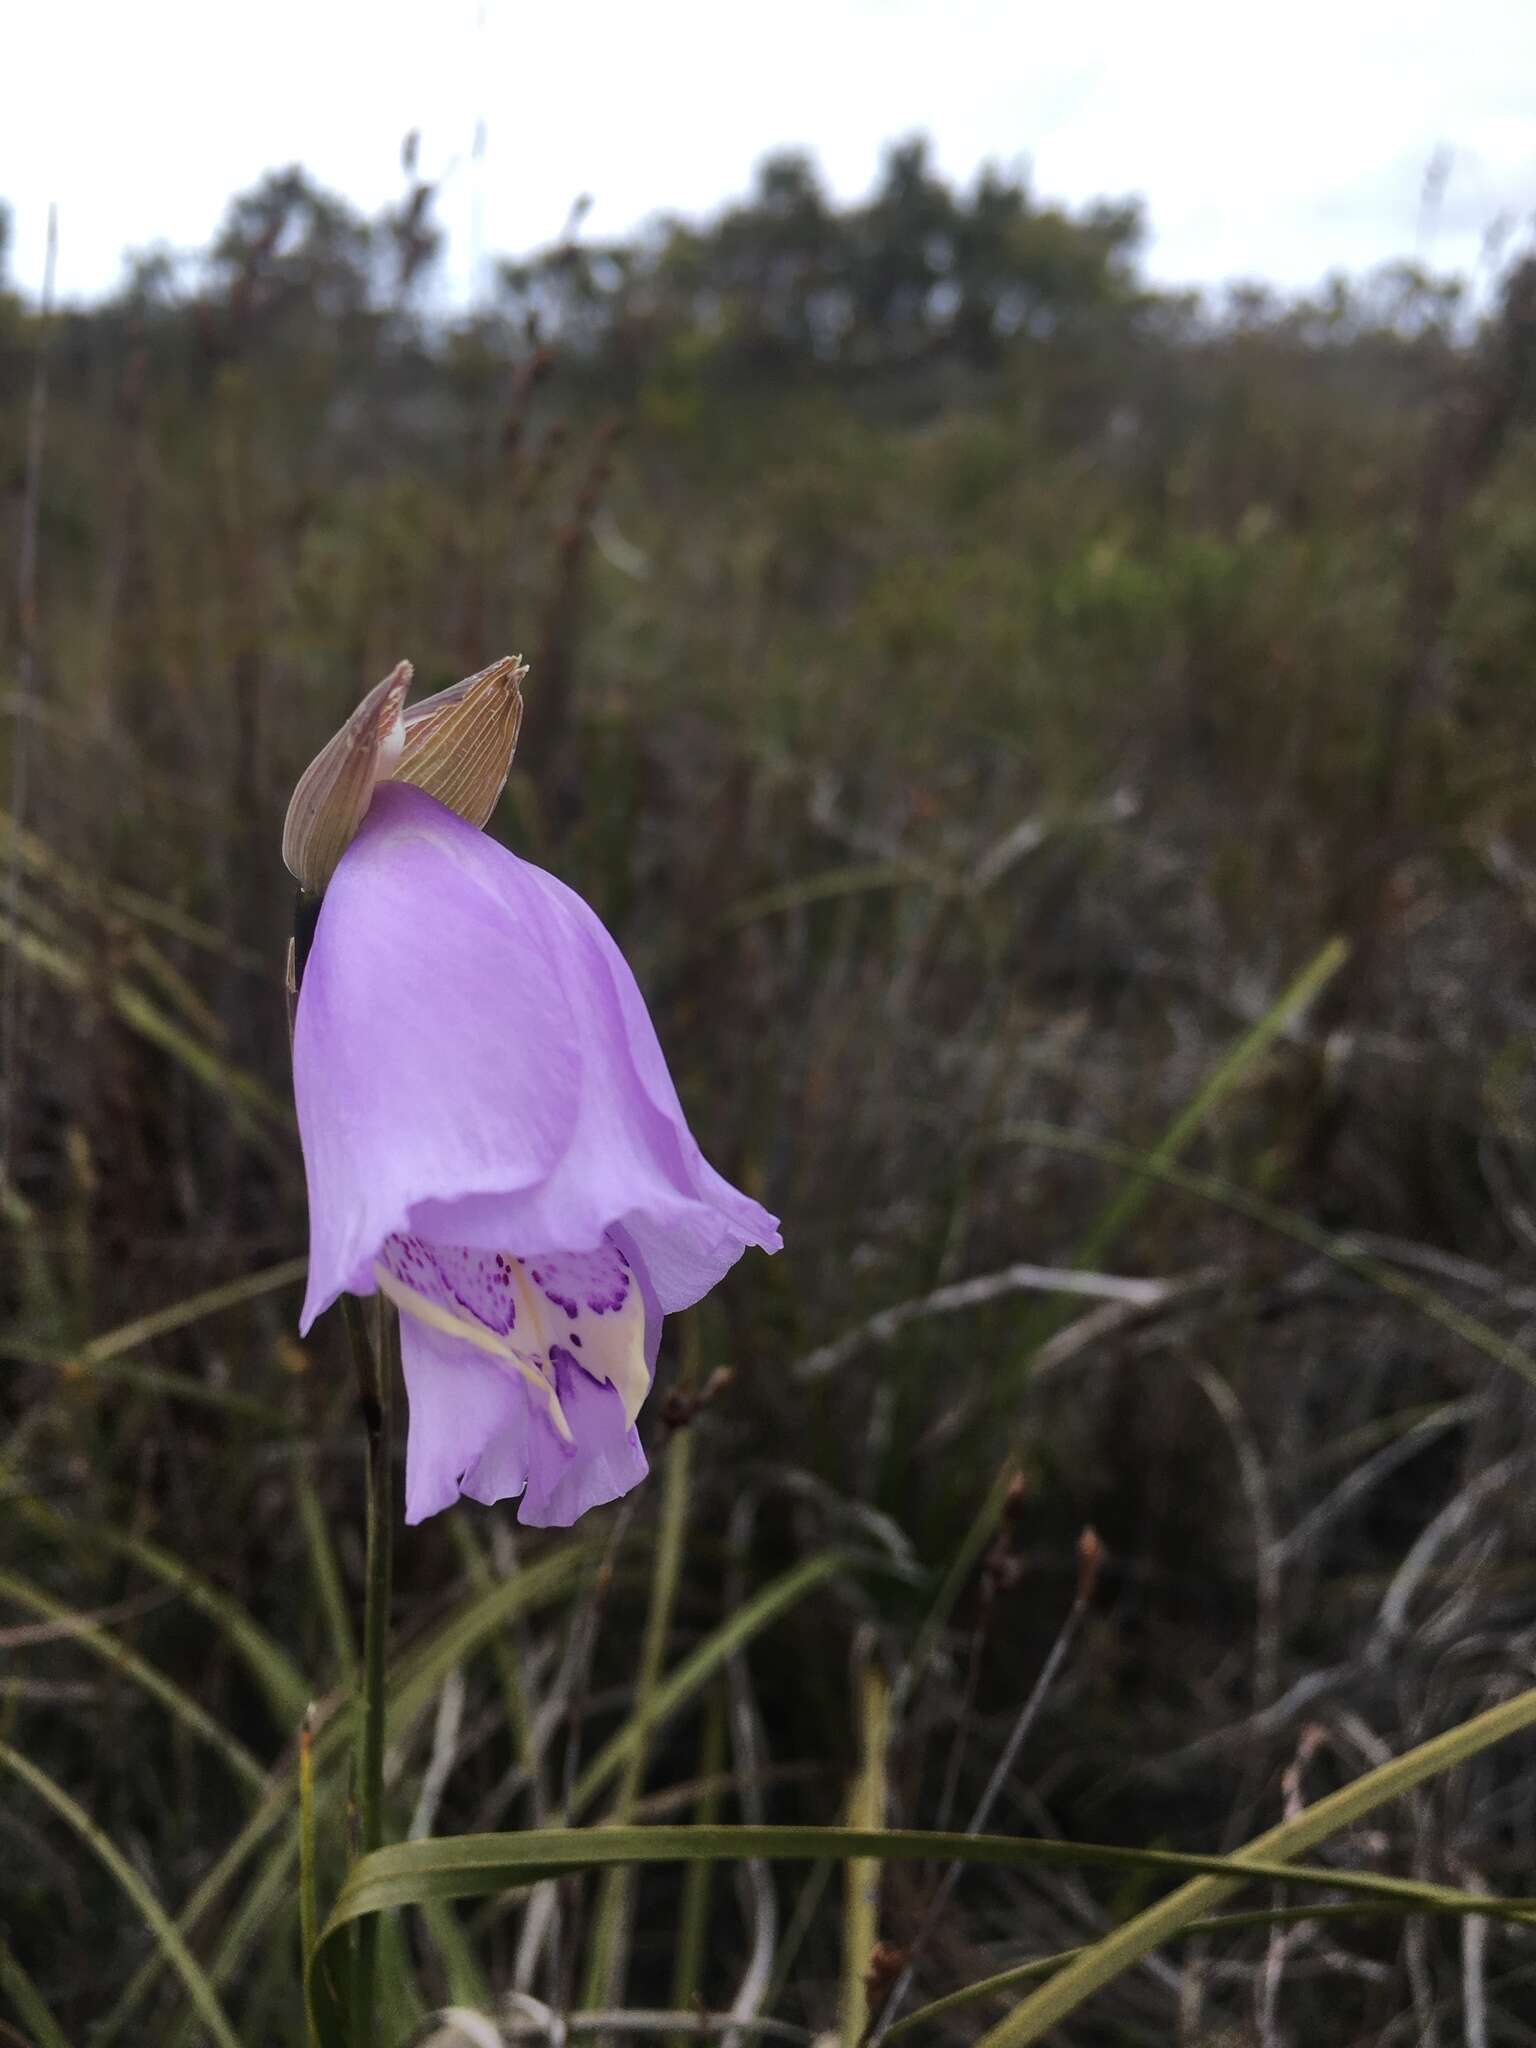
[(376, 1377)]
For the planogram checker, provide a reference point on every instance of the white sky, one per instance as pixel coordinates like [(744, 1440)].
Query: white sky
[(1276, 141)]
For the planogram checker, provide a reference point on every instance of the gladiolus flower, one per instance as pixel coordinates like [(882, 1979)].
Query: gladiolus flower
[(492, 1140)]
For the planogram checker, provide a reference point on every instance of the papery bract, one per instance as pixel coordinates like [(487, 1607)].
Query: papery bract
[(457, 746), (491, 1137)]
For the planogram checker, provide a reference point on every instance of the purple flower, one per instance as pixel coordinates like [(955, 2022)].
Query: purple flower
[(492, 1140)]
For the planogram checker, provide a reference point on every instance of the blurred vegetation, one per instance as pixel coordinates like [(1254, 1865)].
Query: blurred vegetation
[(972, 685)]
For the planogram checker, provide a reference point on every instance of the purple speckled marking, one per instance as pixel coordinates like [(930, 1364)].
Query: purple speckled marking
[(469, 1282), (457, 1278), (599, 1281)]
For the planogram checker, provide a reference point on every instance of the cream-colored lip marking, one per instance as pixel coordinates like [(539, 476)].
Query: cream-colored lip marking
[(424, 1310), (613, 1347)]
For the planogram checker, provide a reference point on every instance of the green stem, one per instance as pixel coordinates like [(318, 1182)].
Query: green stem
[(605, 1969), (308, 1914), (376, 1377), (698, 1878)]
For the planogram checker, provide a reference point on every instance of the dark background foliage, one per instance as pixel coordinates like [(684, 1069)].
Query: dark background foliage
[(972, 685)]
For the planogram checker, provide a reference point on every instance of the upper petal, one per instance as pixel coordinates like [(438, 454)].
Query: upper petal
[(689, 1225), (474, 1062), (434, 1052)]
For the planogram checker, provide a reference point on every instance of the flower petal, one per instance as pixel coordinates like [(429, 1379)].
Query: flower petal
[(481, 1421), (588, 1307), (689, 1224), (473, 1064), (433, 1054), (459, 1402), (415, 1295), (563, 1480)]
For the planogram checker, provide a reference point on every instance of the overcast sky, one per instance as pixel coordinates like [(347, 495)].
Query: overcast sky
[(1278, 141)]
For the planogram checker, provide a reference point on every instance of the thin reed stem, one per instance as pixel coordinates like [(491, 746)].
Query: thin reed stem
[(698, 1879), (376, 1366), (309, 1918), (604, 1985), (1089, 1555), (26, 684)]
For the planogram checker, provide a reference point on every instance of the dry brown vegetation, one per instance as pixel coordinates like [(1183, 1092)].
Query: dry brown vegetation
[(974, 690)]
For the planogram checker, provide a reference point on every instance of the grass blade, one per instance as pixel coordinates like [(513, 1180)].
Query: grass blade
[(610, 1938), (176, 1953), (177, 1316), (413, 1689), (325, 1570), (1043, 1322), (698, 1668), (484, 1866), (1228, 1074), (279, 1678), (27, 2004), (309, 1916), (861, 1874), (1226, 1194), (102, 1643), (419, 1673), (693, 1915), (1104, 1960), (1004, 1981)]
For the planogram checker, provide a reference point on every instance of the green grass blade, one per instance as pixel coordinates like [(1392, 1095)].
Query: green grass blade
[(253, 1110), (280, 1679), (482, 1866), (610, 1936), (176, 1953), (415, 1686), (149, 1379), (700, 1666), (1228, 1074), (693, 1914), (420, 1672), (179, 1314), (83, 886), (861, 1874), (1226, 1194), (266, 1899), (464, 1980), (1105, 1960), (1044, 1321), (827, 887), (325, 1569), (1160, 1166), (277, 1806), (1003, 1981), (309, 1915), (103, 1357), (376, 1371), (102, 1643), (27, 2003), (503, 1654)]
